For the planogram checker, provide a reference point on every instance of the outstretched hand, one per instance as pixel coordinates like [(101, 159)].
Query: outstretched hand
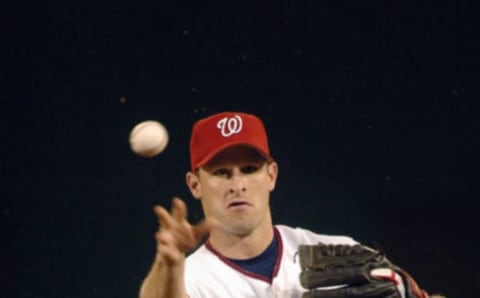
[(176, 236)]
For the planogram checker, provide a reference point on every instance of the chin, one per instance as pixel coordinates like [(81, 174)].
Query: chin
[(242, 227)]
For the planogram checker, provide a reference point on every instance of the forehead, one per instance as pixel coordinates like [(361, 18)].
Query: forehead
[(236, 154)]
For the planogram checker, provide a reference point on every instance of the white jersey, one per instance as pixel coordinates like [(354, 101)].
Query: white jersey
[(208, 274)]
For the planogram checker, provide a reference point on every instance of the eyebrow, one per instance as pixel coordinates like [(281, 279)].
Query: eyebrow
[(216, 165)]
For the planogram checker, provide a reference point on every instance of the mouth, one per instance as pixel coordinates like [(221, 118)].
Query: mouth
[(238, 204)]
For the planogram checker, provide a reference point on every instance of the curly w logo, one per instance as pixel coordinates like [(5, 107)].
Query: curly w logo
[(229, 126)]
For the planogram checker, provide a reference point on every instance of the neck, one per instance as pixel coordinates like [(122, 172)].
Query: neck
[(243, 246)]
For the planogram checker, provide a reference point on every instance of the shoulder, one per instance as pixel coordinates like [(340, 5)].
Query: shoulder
[(198, 276), (303, 236), (199, 256)]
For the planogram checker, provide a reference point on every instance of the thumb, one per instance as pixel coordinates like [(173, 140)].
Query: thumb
[(203, 228)]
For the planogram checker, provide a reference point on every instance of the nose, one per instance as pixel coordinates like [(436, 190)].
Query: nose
[(237, 182)]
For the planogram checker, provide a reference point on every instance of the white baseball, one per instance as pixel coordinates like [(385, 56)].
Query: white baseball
[(148, 138)]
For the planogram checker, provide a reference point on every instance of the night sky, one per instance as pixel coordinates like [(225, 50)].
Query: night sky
[(371, 110)]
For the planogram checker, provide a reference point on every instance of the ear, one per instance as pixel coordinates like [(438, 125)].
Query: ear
[(272, 170), (193, 184)]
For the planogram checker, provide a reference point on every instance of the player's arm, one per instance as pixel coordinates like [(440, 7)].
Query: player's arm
[(174, 238)]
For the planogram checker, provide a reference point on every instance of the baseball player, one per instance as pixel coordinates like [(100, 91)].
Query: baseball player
[(239, 251)]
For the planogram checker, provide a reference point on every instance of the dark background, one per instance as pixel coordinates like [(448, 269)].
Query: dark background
[(371, 111)]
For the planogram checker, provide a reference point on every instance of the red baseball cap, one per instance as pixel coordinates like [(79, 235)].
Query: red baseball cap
[(217, 132)]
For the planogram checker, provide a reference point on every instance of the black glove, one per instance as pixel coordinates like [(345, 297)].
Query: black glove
[(352, 271)]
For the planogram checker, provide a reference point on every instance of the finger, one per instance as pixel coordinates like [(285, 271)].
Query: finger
[(170, 255), (164, 218), (192, 235), (164, 238), (173, 233), (168, 240), (203, 228), (179, 209), (167, 251)]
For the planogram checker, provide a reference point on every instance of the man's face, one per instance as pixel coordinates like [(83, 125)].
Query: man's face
[(234, 188)]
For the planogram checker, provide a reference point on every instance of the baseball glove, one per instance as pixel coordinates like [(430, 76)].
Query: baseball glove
[(346, 271)]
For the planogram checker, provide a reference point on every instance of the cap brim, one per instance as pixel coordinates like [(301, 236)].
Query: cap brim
[(212, 154)]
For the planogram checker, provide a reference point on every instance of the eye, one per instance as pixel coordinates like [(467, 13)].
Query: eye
[(222, 172), (250, 169)]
